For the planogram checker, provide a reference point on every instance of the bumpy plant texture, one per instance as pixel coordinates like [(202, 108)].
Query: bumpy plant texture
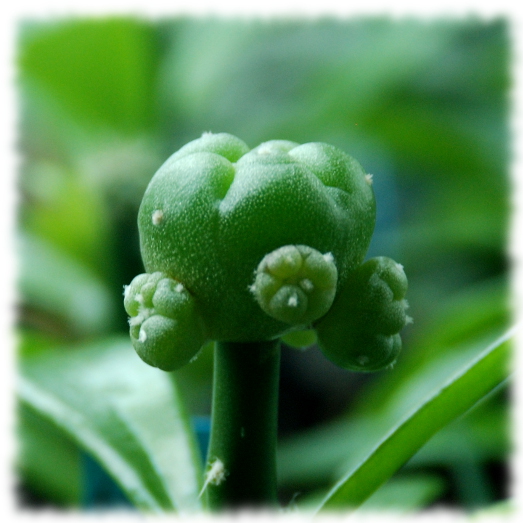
[(361, 330), (250, 245), (162, 315)]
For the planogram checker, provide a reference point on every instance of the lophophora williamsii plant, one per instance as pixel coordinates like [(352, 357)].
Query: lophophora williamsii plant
[(247, 247)]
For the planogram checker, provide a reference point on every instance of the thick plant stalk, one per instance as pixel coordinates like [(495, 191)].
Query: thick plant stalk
[(241, 465)]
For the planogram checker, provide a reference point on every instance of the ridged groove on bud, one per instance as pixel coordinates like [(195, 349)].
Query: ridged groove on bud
[(295, 284)]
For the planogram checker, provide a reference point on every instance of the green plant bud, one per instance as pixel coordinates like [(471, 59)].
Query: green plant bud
[(134, 298), (223, 144), (295, 284), (214, 210), (360, 331), (379, 352), (300, 339), (166, 330), (271, 150)]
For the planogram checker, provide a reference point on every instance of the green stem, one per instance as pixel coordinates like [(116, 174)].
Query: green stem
[(244, 425)]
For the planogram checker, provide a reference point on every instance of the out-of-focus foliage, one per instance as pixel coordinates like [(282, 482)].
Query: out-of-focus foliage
[(423, 105)]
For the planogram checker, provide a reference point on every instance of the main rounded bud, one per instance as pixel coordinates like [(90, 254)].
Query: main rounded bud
[(215, 209)]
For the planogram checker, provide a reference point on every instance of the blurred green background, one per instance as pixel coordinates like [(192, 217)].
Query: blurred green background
[(423, 105)]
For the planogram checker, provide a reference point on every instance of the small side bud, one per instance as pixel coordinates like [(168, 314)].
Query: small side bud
[(295, 284), (300, 339), (361, 331), (166, 330)]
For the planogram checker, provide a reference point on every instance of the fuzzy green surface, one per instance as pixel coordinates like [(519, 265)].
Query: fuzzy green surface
[(165, 329), (296, 284), (215, 209), (361, 330)]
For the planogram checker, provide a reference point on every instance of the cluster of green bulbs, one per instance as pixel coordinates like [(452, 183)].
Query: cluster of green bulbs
[(246, 245)]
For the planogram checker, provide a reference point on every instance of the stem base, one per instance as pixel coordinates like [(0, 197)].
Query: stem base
[(242, 450)]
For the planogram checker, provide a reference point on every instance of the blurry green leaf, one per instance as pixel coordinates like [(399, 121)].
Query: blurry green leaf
[(337, 79), (405, 494), (56, 283), (502, 509), (457, 326), (68, 212), (482, 435), (453, 397), (309, 458), (445, 141), (101, 70), (294, 77), (458, 329), (125, 414), (48, 462), (320, 454)]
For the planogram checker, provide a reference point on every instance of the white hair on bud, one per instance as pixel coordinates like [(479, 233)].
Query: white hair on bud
[(157, 217), (293, 301), (328, 257), (307, 285), (363, 360), (139, 299)]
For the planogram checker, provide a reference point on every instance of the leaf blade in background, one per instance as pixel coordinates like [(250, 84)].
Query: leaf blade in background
[(453, 398), (60, 285), (116, 54), (454, 333), (125, 414), (48, 462), (404, 494)]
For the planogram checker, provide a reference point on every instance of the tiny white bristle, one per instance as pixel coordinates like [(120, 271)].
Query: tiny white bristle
[(363, 360), (135, 320), (143, 336), (126, 290), (368, 179), (328, 257), (157, 217), (215, 475), (252, 288), (307, 285), (399, 266), (139, 299), (293, 301), (408, 320), (206, 133), (264, 149), (179, 287)]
